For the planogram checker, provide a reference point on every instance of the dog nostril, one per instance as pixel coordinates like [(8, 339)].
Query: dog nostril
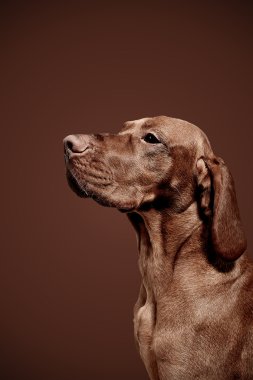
[(69, 145)]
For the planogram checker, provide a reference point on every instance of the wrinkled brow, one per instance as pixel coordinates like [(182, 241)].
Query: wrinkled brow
[(137, 126), (128, 126)]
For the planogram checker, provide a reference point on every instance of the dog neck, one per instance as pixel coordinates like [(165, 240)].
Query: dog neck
[(161, 241)]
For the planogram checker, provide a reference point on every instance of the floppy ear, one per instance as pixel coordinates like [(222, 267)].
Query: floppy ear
[(218, 203)]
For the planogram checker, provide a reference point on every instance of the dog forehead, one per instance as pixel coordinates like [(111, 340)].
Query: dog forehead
[(175, 130), (133, 125), (172, 127)]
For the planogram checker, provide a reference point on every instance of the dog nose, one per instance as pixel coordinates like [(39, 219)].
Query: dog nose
[(75, 143)]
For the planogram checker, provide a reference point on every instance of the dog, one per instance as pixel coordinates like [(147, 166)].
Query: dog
[(194, 315)]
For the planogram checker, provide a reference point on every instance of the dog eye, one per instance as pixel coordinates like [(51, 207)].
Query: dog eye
[(151, 139)]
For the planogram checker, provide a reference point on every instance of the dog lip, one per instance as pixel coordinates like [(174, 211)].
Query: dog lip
[(71, 154), (127, 209), (66, 158)]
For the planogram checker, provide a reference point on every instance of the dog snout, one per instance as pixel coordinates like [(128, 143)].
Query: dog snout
[(75, 144)]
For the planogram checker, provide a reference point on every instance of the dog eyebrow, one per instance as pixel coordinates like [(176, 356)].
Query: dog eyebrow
[(146, 126), (127, 127), (127, 124)]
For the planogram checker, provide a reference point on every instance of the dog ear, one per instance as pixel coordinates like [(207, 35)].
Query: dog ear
[(219, 204)]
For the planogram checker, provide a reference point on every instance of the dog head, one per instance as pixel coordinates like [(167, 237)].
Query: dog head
[(161, 163)]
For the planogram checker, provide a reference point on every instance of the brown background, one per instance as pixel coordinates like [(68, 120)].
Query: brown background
[(66, 307)]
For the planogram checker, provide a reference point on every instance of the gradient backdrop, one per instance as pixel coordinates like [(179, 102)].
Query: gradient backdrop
[(69, 275)]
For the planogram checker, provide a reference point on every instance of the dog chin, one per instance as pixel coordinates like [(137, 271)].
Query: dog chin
[(74, 185), (105, 201), (102, 199)]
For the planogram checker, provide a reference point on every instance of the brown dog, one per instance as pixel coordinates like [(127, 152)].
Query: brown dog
[(194, 315)]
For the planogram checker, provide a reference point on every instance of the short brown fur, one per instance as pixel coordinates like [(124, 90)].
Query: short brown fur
[(194, 315)]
